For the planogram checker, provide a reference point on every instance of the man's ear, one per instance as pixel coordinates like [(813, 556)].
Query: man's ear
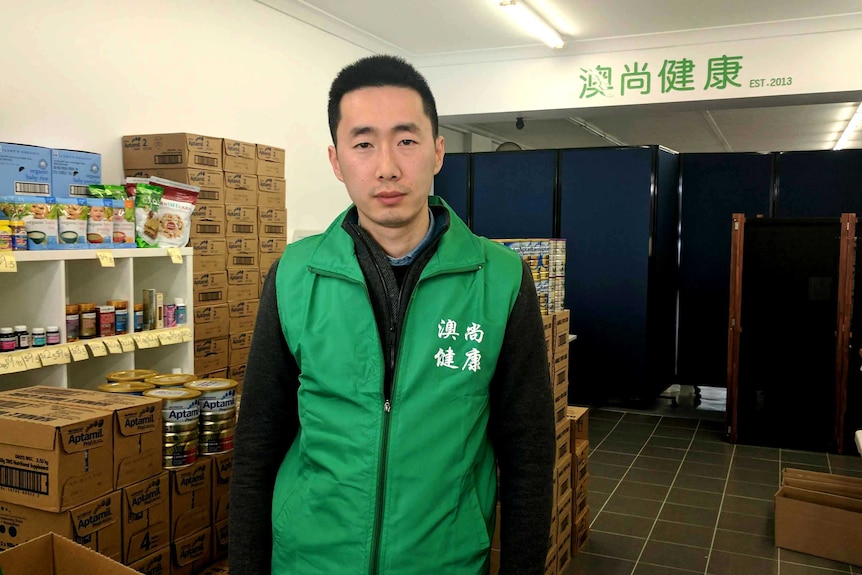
[(333, 160)]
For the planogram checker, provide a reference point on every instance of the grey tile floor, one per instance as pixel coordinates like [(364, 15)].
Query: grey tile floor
[(668, 496)]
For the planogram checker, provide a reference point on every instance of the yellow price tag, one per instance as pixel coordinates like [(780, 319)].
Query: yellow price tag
[(170, 337), (98, 348), (175, 254), (31, 360), (106, 258), (113, 346), (8, 263), (146, 340), (79, 352), (127, 343), (186, 334), (7, 364), (54, 356)]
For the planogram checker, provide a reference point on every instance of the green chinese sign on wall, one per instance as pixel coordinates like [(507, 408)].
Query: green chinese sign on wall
[(683, 75)]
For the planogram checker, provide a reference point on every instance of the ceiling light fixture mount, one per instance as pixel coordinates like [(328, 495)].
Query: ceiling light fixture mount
[(528, 19)]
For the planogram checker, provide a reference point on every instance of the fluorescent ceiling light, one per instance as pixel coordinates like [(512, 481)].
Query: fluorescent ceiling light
[(849, 130), (531, 22)]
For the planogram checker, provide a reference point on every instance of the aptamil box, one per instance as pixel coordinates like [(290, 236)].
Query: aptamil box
[(24, 170), (72, 172)]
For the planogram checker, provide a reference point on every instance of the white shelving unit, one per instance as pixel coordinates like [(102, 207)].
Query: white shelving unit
[(36, 295)]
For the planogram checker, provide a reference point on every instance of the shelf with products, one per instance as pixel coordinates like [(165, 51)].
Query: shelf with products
[(45, 282)]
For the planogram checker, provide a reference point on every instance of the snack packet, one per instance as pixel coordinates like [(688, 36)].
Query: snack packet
[(123, 218), (147, 199), (72, 214), (100, 223), (175, 212)]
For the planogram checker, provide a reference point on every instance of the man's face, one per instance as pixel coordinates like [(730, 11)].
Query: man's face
[(387, 157)]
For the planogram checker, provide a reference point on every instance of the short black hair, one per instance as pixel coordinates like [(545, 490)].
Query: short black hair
[(376, 72)]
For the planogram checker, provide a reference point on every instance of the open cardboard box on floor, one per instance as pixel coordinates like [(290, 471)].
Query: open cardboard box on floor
[(820, 514), (54, 555)]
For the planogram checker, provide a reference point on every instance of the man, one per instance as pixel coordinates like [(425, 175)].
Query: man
[(397, 357)]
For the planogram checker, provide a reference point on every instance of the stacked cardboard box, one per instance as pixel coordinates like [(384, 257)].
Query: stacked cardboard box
[(239, 229), (546, 259), (820, 514), (578, 419)]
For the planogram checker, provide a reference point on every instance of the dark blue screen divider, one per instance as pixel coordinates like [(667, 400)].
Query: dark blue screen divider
[(605, 217), (821, 184), (513, 194), (714, 187), (452, 183)]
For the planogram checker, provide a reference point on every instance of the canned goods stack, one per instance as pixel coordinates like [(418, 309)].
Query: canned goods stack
[(180, 421), (217, 416), (536, 253), (557, 287)]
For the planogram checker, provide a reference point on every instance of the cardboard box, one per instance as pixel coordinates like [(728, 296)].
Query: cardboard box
[(191, 554), (220, 533), (495, 562), (579, 496), (54, 456), (24, 170), (209, 213), (272, 185), (218, 327), (564, 478), (207, 228), (239, 181), (551, 563), (137, 424), (212, 196), (247, 229), (579, 420), (191, 498), (95, 525), (272, 245), (52, 554), (208, 246), (217, 568), (241, 245), (204, 179), (548, 329), (238, 356), (564, 551), (270, 161), (823, 482), (238, 213), (240, 157), (218, 374), (209, 287), (179, 150), (565, 520), (158, 563), (580, 460), (269, 200), (274, 169), (146, 517), (561, 331), (563, 441), (242, 276), (273, 230), (241, 197), (243, 323), (272, 216), (222, 471), (72, 172), (237, 372), (243, 261), (561, 402), (243, 308), (241, 292), (240, 340), (819, 524), (208, 263), (267, 260), (581, 532), (211, 354)]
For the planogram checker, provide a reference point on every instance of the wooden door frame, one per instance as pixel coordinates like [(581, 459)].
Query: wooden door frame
[(846, 272), (734, 327)]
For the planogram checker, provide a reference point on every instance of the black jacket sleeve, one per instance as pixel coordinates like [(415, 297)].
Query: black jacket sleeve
[(522, 430), (267, 426)]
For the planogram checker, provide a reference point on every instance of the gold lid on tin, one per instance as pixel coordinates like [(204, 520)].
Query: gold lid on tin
[(170, 379), (131, 375), (126, 387), (172, 393), (206, 385)]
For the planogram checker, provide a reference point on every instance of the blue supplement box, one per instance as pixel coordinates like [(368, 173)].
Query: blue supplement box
[(72, 172), (24, 170)]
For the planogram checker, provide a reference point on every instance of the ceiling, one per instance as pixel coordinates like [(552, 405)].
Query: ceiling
[(429, 32)]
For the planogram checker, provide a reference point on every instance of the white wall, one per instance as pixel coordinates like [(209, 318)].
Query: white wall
[(81, 74)]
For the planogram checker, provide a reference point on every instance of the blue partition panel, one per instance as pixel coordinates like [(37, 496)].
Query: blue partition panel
[(452, 183), (714, 186), (513, 194), (822, 184), (605, 217)]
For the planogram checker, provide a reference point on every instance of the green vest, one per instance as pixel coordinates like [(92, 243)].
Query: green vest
[(413, 490)]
